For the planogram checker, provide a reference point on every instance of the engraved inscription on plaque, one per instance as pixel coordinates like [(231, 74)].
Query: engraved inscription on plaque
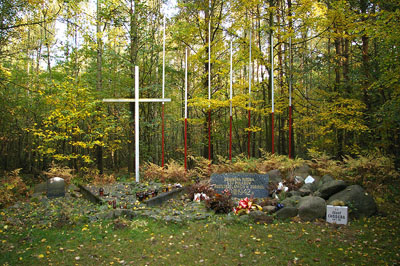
[(241, 184)]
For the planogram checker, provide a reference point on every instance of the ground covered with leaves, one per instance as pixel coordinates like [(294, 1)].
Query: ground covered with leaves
[(59, 232)]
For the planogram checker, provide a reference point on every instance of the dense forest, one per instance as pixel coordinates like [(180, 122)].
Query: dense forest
[(338, 60)]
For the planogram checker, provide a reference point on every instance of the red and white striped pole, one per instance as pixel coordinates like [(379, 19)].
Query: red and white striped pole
[(249, 124), (290, 97), (209, 80), (272, 93), (186, 85), (230, 111), (163, 89)]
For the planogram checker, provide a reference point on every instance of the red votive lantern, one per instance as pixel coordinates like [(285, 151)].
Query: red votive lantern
[(114, 204), (101, 192)]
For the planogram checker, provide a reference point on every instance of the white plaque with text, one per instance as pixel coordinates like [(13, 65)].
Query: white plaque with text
[(336, 214)]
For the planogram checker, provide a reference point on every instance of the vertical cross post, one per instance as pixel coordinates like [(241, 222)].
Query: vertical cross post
[(136, 100)]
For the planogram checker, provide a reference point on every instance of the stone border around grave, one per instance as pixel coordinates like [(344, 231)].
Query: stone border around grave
[(163, 197), (155, 201), (87, 194)]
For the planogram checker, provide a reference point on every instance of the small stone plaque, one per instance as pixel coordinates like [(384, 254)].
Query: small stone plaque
[(55, 187), (336, 214), (241, 185)]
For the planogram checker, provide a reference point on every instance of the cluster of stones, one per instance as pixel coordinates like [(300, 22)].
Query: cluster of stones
[(129, 206), (112, 201), (310, 200)]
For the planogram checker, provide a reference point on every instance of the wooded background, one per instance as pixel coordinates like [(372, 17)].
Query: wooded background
[(345, 62)]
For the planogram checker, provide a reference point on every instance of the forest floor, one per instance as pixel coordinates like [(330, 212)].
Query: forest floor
[(58, 232)]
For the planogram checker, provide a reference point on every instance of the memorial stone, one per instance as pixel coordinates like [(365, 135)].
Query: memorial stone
[(241, 185), (55, 187)]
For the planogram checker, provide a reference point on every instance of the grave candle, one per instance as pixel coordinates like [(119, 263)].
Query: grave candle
[(101, 192)]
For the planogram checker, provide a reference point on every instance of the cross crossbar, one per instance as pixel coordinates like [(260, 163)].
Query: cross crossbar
[(132, 100)]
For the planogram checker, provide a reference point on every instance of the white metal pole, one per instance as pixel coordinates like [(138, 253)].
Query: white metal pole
[(272, 71), (209, 52), (250, 68), (290, 71), (137, 123), (163, 62), (186, 81), (230, 90)]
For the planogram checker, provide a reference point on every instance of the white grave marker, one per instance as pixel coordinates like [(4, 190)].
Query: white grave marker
[(336, 214), (136, 100)]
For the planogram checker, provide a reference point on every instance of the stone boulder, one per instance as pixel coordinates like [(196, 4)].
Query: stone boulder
[(269, 209), (293, 193), (307, 189), (286, 213), (331, 187), (326, 178), (303, 171), (360, 203), (311, 208), (291, 202), (275, 176), (260, 217)]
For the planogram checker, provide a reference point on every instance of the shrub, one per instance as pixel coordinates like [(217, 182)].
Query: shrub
[(285, 165), (202, 187), (220, 203), (171, 173), (372, 171), (92, 175), (64, 172), (202, 167), (12, 188), (325, 165)]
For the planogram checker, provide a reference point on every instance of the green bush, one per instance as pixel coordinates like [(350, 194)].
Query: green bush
[(12, 188)]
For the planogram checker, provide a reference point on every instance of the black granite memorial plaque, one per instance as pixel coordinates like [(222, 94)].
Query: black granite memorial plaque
[(55, 187), (241, 185)]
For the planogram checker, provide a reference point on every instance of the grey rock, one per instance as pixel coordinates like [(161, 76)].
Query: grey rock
[(172, 219), (331, 187), (326, 178), (286, 212), (323, 180), (303, 171), (359, 202), (306, 189), (291, 202), (275, 176), (260, 217), (294, 193), (317, 194), (202, 216), (74, 188), (269, 209), (311, 208)]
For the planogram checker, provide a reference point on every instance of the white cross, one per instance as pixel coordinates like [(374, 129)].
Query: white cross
[(136, 100)]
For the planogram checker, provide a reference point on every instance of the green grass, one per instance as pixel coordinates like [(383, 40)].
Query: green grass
[(213, 242)]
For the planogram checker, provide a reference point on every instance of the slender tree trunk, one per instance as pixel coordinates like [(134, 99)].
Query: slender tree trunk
[(271, 24)]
